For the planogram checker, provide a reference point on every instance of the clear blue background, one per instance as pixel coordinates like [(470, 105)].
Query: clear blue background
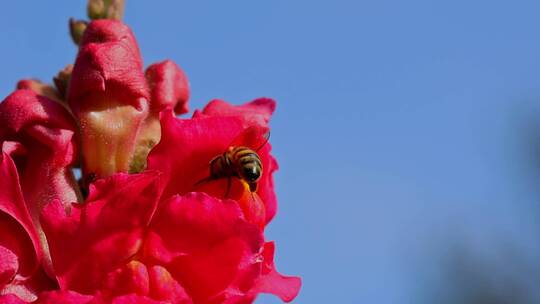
[(407, 131)]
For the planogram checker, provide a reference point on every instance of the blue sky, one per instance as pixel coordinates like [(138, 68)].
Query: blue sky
[(403, 129)]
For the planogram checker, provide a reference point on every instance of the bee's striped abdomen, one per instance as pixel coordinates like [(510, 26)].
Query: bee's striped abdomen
[(240, 162), (247, 162), (220, 166)]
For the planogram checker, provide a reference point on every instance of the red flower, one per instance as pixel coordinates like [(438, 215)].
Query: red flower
[(38, 149), (109, 96), (168, 232), (41, 136), (256, 113), (186, 249)]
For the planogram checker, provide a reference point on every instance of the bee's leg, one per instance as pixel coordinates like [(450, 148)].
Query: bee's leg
[(202, 181), (228, 187)]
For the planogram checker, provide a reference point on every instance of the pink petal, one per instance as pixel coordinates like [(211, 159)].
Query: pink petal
[(17, 232), (9, 265), (255, 113), (164, 287), (64, 297), (101, 235), (130, 278), (11, 299), (286, 288), (135, 299), (211, 250), (169, 87)]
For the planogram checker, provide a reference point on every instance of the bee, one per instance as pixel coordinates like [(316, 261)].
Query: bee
[(239, 161)]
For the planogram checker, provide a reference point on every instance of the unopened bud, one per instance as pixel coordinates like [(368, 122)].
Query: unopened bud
[(39, 88), (96, 9), (61, 80), (109, 96), (76, 29), (105, 9)]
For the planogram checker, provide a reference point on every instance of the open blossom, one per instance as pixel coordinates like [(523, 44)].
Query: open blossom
[(140, 227)]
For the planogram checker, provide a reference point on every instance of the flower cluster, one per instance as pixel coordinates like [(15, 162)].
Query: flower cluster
[(139, 226)]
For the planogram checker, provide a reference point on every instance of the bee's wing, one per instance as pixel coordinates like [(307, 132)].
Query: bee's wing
[(253, 137)]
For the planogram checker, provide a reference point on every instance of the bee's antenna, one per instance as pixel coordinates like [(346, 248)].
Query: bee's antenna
[(228, 187), (267, 138)]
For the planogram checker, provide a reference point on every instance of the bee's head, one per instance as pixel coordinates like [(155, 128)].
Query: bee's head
[(251, 173)]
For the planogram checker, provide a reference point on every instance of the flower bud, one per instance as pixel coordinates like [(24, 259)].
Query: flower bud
[(61, 80), (105, 9), (109, 95), (169, 87), (39, 88), (76, 29)]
